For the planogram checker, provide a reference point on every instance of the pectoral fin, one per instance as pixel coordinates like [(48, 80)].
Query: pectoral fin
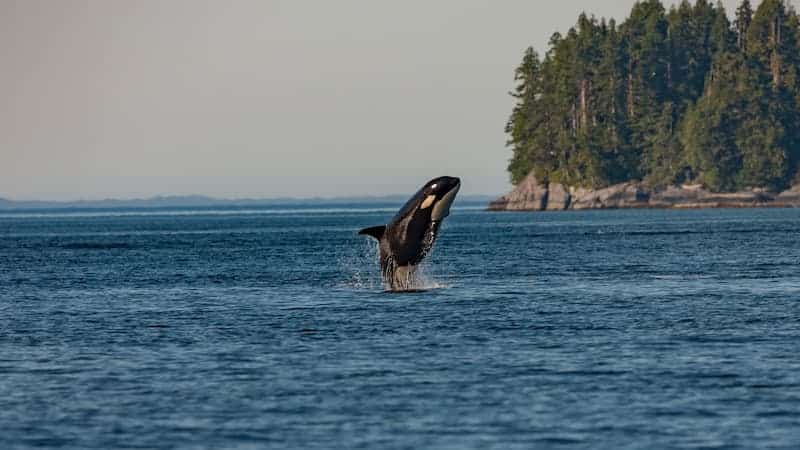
[(376, 232)]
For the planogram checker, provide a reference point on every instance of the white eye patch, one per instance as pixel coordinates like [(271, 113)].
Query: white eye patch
[(428, 202)]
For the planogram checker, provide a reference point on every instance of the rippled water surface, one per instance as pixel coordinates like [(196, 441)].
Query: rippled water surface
[(270, 329)]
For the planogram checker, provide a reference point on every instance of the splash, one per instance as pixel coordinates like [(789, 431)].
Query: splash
[(360, 266), (408, 278), (421, 279)]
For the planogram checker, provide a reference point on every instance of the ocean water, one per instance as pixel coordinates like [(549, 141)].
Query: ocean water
[(269, 328)]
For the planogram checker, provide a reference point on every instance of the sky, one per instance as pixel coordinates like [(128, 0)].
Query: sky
[(263, 98)]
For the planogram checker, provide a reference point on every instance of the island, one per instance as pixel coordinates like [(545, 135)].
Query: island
[(678, 108)]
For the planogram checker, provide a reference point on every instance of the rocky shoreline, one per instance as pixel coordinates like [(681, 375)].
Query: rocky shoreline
[(531, 195)]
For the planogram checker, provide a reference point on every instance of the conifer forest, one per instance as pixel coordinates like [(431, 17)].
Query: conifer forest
[(688, 94)]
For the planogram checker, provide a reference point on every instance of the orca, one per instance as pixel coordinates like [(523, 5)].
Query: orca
[(405, 241)]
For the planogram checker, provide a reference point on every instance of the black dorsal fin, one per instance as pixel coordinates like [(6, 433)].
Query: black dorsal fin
[(376, 232)]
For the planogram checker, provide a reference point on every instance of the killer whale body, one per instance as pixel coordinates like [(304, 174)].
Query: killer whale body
[(406, 240)]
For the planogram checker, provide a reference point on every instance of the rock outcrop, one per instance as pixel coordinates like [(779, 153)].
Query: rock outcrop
[(531, 195), (695, 196), (558, 197), (789, 198), (625, 195), (528, 195)]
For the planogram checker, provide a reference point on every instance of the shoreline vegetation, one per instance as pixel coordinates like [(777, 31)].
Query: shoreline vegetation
[(678, 108)]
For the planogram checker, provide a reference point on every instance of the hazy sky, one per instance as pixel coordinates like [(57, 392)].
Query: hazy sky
[(240, 98)]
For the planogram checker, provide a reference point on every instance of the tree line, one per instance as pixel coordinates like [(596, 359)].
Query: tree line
[(665, 97)]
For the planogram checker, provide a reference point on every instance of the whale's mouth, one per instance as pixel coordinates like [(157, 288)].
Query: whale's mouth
[(442, 208)]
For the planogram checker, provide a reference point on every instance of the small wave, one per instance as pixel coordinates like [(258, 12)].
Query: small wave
[(97, 246), (682, 232), (682, 277)]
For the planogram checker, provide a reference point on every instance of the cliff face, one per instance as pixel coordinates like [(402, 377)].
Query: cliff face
[(531, 195)]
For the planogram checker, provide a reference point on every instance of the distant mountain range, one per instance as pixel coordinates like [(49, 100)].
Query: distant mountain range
[(200, 201)]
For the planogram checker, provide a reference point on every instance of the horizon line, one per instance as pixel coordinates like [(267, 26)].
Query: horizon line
[(211, 198)]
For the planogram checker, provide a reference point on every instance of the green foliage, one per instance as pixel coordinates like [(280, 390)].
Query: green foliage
[(666, 97)]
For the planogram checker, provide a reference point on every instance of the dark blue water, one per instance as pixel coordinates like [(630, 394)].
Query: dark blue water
[(269, 328)]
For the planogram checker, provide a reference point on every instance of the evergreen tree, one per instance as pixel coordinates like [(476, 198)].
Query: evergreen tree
[(744, 16), (709, 128), (663, 157), (524, 120), (771, 42), (611, 135), (723, 39)]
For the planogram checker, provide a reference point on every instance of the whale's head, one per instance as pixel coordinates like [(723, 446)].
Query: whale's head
[(438, 194), (431, 203)]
